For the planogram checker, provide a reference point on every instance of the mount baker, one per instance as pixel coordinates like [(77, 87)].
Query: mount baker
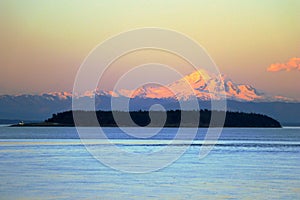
[(202, 84)]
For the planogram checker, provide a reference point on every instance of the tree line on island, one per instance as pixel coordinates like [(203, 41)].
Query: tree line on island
[(171, 118)]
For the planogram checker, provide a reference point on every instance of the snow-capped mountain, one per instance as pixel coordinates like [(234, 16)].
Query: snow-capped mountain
[(200, 84)]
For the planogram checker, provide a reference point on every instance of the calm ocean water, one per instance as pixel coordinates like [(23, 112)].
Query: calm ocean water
[(52, 163)]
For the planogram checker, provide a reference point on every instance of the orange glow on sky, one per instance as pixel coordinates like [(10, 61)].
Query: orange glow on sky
[(43, 43)]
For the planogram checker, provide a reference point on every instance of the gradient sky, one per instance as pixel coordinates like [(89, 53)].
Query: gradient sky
[(43, 43)]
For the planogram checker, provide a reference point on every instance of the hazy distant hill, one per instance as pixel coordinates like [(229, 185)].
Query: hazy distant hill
[(40, 107), (9, 121)]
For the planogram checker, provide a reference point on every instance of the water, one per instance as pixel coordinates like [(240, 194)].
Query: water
[(52, 163)]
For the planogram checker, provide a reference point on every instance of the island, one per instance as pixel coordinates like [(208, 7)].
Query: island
[(171, 118)]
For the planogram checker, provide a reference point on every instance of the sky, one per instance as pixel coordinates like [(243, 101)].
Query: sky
[(43, 43)]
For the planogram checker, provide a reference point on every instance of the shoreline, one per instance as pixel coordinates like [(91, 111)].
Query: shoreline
[(48, 124)]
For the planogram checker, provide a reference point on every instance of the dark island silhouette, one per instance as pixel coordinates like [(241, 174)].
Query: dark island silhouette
[(172, 118)]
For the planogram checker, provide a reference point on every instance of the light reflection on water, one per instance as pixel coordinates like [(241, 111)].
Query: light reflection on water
[(242, 166)]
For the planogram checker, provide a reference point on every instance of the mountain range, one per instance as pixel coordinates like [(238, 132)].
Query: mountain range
[(201, 84)]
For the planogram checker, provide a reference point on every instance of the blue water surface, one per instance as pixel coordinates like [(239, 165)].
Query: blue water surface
[(246, 163)]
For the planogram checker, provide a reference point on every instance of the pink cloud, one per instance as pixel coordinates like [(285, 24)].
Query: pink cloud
[(292, 64)]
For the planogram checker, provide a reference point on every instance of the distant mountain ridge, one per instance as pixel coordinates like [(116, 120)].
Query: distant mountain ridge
[(240, 97), (202, 84)]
